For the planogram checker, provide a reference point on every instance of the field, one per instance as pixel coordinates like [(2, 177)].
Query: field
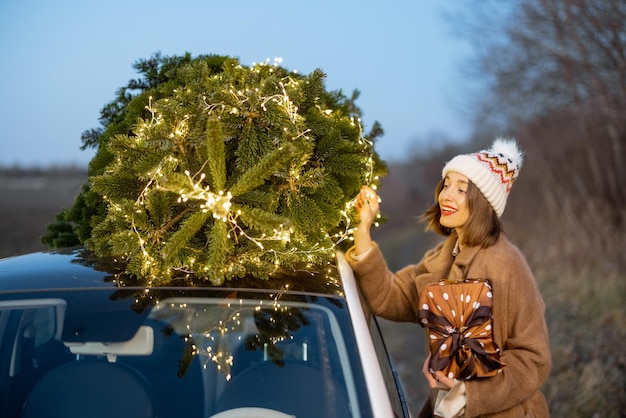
[(29, 201)]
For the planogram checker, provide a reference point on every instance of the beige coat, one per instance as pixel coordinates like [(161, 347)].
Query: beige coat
[(518, 311)]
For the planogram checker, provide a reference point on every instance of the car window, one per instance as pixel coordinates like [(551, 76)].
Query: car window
[(183, 352), (44, 323), (35, 323), (30, 345)]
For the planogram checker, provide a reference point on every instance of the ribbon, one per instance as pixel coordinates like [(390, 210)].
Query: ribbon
[(458, 320)]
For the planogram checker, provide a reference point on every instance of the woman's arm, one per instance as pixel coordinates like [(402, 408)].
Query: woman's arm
[(391, 296)]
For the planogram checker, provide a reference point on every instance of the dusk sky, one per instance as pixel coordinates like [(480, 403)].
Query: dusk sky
[(63, 60)]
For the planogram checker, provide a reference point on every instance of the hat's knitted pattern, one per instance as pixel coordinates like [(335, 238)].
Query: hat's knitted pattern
[(493, 170)]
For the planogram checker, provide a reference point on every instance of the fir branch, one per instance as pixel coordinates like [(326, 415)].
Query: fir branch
[(159, 206), (188, 228), (306, 215), (261, 197), (261, 220), (220, 245), (116, 186), (268, 165), (215, 153)]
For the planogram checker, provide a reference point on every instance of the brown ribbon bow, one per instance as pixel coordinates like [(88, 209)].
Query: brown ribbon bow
[(458, 319)]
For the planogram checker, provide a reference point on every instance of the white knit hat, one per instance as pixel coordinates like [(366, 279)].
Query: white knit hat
[(493, 171)]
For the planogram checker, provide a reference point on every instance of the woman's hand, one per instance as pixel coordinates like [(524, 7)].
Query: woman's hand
[(437, 380), (367, 205)]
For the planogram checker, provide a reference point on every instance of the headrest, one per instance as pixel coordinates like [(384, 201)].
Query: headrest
[(141, 344)]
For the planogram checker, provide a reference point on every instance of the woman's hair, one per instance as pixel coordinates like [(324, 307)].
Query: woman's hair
[(483, 226)]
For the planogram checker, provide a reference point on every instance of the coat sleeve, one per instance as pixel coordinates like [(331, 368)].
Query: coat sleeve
[(392, 296), (525, 347)]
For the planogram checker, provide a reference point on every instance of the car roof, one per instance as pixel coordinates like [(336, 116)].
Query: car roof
[(79, 268)]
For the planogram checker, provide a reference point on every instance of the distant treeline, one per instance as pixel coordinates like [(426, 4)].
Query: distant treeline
[(19, 171)]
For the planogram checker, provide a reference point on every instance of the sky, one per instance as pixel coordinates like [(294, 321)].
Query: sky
[(63, 60)]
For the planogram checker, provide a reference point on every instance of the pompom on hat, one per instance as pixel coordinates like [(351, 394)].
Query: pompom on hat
[(493, 170)]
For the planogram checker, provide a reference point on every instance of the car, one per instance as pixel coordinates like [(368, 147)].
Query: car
[(79, 337)]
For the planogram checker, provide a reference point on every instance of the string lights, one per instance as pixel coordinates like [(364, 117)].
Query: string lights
[(213, 329)]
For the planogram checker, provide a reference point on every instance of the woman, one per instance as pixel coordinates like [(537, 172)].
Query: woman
[(470, 199)]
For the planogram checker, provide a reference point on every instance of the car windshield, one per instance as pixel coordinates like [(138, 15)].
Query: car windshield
[(181, 352)]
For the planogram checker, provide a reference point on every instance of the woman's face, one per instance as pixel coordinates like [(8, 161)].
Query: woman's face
[(453, 201)]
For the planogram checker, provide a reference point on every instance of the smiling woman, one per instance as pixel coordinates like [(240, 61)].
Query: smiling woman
[(453, 201), (463, 208), (474, 285)]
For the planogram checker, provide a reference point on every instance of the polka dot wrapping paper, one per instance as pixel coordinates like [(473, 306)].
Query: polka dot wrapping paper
[(458, 319)]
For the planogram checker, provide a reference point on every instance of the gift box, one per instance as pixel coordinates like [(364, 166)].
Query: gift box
[(458, 319)]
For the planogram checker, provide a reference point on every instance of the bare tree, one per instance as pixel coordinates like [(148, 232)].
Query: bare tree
[(555, 77), (559, 67)]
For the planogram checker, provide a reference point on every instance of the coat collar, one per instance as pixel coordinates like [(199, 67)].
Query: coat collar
[(444, 264)]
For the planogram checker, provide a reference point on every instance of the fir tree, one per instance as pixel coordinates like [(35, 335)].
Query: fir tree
[(229, 171)]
